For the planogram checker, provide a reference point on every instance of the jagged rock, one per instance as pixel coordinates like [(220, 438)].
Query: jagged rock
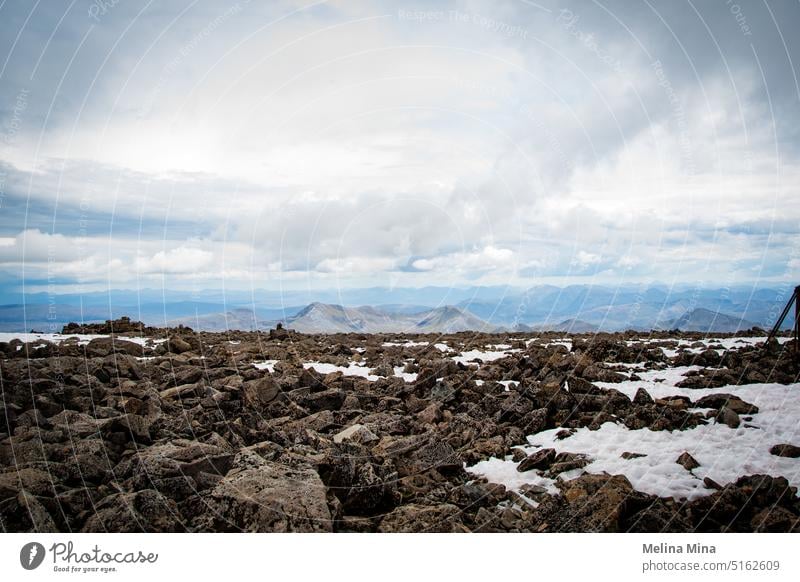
[(410, 518), (687, 461), (567, 462), (359, 482), (775, 519), (183, 391), (259, 393), (443, 391), (642, 398), (140, 511), (169, 467), (35, 481), (270, 497), (391, 446), (736, 504), (433, 455), (590, 503), (729, 401), (357, 433), (200, 438), (540, 460), (431, 414), (25, 513)]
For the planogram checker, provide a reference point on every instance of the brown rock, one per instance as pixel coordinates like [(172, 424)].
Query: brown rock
[(178, 345), (729, 417), (258, 393), (141, 511), (687, 461), (409, 518), (785, 450), (269, 497), (775, 519), (730, 401), (541, 460)]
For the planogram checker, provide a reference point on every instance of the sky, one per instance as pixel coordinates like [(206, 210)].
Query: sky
[(198, 144)]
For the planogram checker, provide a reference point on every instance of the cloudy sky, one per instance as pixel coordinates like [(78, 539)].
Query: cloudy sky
[(199, 144)]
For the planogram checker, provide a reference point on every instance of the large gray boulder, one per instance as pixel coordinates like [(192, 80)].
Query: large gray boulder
[(268, 497)]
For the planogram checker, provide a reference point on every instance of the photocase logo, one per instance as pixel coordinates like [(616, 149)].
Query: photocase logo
[(31, 555)]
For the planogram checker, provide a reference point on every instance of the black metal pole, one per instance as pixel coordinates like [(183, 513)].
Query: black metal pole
[(797, 319), (776, 328)]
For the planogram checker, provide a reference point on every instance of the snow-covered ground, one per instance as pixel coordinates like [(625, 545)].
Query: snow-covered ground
[(724, 454), (468, 356), (407, 376), (83, 339), (354, 369), (566, 342), (268, 365), (720, 345), (657, 383)]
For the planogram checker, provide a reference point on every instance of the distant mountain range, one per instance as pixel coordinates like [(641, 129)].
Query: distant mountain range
[(705, 319), (576, 308), (327, 318)]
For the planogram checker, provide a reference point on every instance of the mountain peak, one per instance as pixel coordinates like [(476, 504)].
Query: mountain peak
[(325, 318)]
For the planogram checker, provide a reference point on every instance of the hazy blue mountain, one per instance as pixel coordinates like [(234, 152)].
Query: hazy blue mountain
[(706, 320), (326, 318), (539, 307)]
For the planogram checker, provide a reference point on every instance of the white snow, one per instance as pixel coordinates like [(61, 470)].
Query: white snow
[(442, 347), (409, 344), (724, 454), (356, 369), (268, 365), (55, 338), (505, 472), (142, 341), (565, 343), (720, 345), (83, 339), (407, 376), (507, 384), (352, 369), (657, 383), (467, 357), (556, 342)]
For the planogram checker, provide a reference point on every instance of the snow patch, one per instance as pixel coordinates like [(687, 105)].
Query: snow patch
[(724, 454), (268, 365)]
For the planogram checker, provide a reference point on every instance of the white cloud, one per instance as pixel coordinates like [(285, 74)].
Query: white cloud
[(178, 260), (585, 259), (345, 142), (355, 265), (487, 258)]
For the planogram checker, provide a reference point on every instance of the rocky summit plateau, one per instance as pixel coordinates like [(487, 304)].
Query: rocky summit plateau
[(120, 427)]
